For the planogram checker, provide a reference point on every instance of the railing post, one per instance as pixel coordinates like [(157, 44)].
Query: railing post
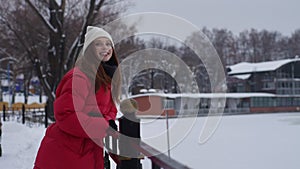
[(106, 154), (130, 127), (23, 114), (168, 134), (4, 118), (46, 115), (106, 161)]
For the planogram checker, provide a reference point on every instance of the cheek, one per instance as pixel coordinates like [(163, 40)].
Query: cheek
[(98, 49)]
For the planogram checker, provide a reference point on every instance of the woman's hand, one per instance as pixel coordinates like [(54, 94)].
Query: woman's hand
[(112, 129)]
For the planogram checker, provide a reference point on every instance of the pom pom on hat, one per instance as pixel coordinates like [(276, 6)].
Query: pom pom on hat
[(93, 33)]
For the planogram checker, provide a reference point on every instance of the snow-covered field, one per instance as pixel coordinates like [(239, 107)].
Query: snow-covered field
[(266, 141)]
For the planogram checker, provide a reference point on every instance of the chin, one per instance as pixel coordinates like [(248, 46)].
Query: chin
[(106, 59)]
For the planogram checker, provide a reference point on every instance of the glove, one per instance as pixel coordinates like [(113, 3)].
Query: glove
[(129, 106), (113, 125), (112, 129)]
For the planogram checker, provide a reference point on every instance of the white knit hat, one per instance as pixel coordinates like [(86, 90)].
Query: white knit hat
[(93, 33)]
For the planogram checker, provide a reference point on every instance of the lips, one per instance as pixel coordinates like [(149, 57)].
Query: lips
[(104, 54)]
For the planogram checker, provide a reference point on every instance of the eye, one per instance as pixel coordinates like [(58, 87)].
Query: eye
[(98, 44)]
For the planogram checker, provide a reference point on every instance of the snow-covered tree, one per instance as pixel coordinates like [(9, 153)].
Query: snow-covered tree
[(47, 35)]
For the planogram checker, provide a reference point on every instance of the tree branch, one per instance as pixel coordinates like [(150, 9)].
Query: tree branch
[(43, 78), (44, 20), (77, 44)]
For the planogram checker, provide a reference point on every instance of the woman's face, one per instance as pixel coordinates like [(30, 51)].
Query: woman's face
[(103, 48)]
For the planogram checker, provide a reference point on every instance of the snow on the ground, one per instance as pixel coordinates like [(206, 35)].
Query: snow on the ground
[(267, 141), (19, 145)]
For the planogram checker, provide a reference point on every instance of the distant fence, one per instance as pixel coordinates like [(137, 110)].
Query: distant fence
[(31, 113)]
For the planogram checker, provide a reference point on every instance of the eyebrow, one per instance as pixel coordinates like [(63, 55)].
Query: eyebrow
[(104, 40)]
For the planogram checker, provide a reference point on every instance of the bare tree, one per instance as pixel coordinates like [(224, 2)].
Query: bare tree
[(48, 35), (294, 43)]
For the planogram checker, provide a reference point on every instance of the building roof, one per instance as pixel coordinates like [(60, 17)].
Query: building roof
[(243, 76), (206, 95), (247, 67)]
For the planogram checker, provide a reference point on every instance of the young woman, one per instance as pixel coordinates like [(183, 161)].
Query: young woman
[(84, 108)]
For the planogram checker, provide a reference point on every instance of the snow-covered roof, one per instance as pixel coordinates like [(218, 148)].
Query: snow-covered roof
[(243, 76), (207, 95), (246, 67)]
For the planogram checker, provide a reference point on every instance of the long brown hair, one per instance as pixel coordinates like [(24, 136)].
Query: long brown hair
[(89, 63)]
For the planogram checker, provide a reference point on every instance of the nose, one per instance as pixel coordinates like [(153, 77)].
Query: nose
[(105, 47)]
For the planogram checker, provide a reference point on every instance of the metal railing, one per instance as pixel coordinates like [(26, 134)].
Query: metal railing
[(130, 127)]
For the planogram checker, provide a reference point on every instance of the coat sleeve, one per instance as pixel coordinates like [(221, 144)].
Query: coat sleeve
[(69, 106), (112, 112)]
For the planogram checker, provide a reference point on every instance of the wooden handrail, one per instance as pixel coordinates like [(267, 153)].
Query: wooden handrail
[(3, 106), (131, 128), (160, 159), (35, 105), (17, 106)]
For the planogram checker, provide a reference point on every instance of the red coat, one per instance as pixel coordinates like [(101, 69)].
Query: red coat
[(72, 142)]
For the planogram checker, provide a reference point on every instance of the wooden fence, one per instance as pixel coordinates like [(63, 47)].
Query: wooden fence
[(31, 113)]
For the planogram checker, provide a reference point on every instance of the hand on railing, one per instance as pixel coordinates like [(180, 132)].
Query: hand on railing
[(111, 146), (112, 130), (113, 125)]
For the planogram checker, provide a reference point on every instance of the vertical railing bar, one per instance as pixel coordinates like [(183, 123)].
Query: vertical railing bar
[(4, 118), (23, 114), (168, 134)]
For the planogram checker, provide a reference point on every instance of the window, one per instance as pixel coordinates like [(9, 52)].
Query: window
[(296, 101), (240, 87), (262, 102), (168, 104), (268, 85), (297, 84), (284, 101)]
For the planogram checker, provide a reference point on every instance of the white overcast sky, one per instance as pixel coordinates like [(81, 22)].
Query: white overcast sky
[(235, 15)]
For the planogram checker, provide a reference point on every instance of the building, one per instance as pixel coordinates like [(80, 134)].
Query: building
[(272, 86), (280, 77)]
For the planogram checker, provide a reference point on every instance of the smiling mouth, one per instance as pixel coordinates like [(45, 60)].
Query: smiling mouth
[(104, 54)]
